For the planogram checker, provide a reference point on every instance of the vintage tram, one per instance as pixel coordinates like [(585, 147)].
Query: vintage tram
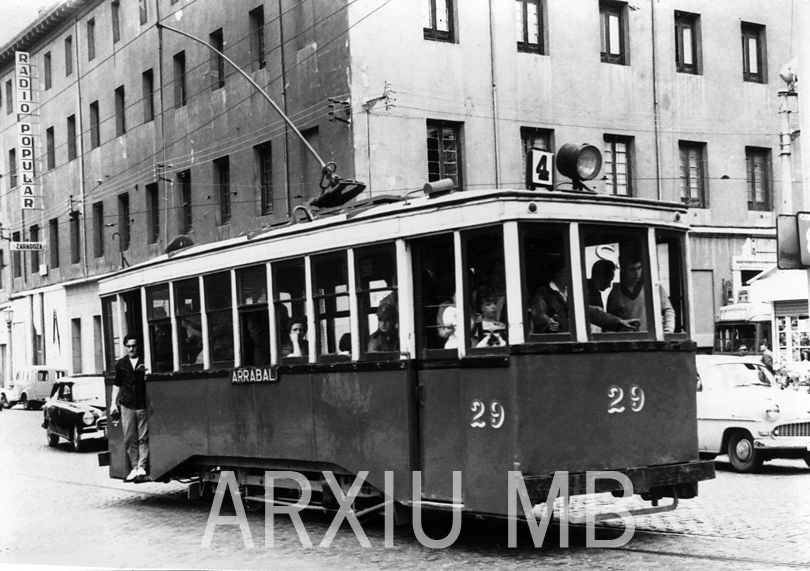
[(404, 334)]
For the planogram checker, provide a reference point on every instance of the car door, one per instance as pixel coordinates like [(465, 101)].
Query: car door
[(61, 410)]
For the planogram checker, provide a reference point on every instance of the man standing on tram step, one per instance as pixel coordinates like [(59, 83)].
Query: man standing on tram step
[(129, 400)]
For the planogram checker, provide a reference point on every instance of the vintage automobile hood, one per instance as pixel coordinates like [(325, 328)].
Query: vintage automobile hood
[(752, 402), (793, 405)]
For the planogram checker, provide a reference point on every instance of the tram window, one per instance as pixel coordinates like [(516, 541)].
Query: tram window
[(486, 289), (189, 323), (435, 296), (376, 279), (290, 302), (330, 278), (546, 282), (670, 281), (220, 319), (254, 321), (617, 272), (160, 327)]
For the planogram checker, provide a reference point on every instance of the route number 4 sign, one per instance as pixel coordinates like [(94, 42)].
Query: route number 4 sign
[(541, 168)]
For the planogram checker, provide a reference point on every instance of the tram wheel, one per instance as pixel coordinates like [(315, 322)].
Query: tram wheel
[(252, 505), (742, 454), (76, 439), (53, 439)]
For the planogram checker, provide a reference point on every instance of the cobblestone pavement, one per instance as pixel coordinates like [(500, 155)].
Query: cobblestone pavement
[(59, 508)]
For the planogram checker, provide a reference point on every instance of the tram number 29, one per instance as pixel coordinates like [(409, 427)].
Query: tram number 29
[(616, 395), (479, 410)]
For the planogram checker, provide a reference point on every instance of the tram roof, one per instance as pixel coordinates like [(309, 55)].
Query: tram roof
[(371, 221)]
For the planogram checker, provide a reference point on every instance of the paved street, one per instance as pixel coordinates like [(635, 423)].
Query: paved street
[(59, 508)]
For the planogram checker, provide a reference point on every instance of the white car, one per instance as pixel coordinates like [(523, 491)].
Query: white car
[(742, 412)]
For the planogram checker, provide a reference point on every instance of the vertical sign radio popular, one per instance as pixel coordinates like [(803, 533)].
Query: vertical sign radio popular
[(25, 129)]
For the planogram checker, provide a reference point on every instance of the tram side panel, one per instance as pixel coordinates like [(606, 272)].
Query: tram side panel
[(605, 411)]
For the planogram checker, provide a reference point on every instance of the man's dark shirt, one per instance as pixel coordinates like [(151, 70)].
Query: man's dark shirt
[(131, 383)]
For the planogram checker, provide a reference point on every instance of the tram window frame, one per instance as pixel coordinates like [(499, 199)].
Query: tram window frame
[(622, 234), (530, 284), (217, 289), (320, 263), (155, 321), (366, 308), (188, 314), (109, 319), (469, 291), (426, 314), (677, 295), (248, 307), (287, 268)]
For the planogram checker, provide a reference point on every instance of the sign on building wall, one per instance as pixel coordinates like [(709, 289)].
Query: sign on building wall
[(25, 130)]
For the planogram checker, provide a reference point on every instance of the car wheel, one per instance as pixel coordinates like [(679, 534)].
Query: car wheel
[(25, 402), (4, 401), (53, 439), (744, 457), (76, 438)]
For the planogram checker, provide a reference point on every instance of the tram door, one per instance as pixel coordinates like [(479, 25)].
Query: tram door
[(441, 435)]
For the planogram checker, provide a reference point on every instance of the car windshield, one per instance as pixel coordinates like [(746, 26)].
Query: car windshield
[(88, 390), (733, 375)]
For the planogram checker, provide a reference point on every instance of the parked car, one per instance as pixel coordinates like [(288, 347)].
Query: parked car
[(743, 412), (30, 386), (76, 411)]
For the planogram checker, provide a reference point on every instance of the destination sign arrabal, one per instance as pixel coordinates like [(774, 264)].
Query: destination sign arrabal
[(33, 246), (253, 375)]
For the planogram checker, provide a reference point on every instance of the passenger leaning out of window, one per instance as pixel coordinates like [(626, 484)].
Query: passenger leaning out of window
[(129, 401), (626, 299), (487, 330), (386, 337)]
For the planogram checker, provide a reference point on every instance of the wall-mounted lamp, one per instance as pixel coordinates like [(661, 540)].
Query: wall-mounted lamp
[(8, 315)]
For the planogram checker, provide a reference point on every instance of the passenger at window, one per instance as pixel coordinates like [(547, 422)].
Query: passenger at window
[(602, 274), (626, 299), (549, 313), (386, 337), (446, 321), (257, 330), (192, 342), (297, 346), (487, 331)]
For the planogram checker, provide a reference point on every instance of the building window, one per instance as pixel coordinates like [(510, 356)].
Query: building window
[(68, 56), (71, 137), (222, 178), (152, 213), (180, 79), (98, 229), (143, 11), (116, 21), (12, 168), (758, 176), (264, 158), (531, 138), (75, 238), (444, 151), (217, 42), (95, 126), (53, 239), (612, 32), (91, 39), (437, 18), (9, 98), (76, 344), (617, 165), (50, 149), (186, 220), (33, 236), (258, 60), (753, 47), (47, 70), (529, 26), (687, 42), (693, 173), (123, 221), (120, 112), (16, 258), (148, 83)]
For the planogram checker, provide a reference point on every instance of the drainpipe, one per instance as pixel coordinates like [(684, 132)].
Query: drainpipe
[(785, 151), (655, 106), (494, 99), (82, 174)]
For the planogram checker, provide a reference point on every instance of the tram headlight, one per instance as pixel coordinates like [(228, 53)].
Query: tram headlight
[(88, 418), (579, 162)]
